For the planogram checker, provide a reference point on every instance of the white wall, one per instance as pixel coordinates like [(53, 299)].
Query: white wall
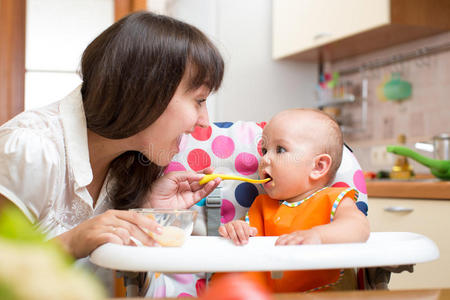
[(57, 32), (255, 86)]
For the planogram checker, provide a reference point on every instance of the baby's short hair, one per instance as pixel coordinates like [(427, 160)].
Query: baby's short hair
[(333, 140)]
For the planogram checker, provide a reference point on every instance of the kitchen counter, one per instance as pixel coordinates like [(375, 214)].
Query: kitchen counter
[(432, 294), (411, 189)]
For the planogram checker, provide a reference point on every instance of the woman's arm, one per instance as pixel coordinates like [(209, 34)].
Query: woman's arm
[(173, 190), (113, 226), (349, 226)]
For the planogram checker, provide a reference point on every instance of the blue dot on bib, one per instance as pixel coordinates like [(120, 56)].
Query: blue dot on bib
[(223, 124), (245, 194), (362, 207)]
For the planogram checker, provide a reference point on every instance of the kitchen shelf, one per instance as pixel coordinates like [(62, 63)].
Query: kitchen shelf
[(336, 101), (348, 99)]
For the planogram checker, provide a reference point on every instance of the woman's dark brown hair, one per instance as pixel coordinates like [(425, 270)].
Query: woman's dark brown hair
[(130, 73)]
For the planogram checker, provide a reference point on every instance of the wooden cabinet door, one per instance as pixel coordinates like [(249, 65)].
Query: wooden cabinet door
[(302, 24), (428, 217)]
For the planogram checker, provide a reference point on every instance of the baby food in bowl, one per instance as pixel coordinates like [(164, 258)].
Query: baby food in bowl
[(177, 224)]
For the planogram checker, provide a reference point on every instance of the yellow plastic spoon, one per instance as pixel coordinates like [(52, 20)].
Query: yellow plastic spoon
[(208, 177)]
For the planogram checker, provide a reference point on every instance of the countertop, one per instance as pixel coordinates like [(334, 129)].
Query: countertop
[(419, 188), (432, 294)]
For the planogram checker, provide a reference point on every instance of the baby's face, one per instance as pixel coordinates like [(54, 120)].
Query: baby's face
[(289, 147)]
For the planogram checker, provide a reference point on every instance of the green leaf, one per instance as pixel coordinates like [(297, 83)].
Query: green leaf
[(14, 226), (6, 293)]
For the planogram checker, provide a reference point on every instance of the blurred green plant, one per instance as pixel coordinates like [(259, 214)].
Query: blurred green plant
[(33, 268)]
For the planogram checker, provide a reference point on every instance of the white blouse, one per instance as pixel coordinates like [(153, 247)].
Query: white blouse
[(45, 168)]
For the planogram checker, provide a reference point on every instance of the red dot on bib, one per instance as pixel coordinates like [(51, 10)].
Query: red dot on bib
[(259, 147), (198, 159), (202, 134), (262, 124), (340, 184)]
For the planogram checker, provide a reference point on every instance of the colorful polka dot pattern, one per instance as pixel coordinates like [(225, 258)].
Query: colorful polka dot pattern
[(222, 146), (246, 163), (176, 285), (198, 160), (235, 148)]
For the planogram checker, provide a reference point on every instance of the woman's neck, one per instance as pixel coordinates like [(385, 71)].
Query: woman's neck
[(102, 152)]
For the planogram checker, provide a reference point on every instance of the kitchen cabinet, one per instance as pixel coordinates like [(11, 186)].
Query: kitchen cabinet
[(427, 217), (305, 29)]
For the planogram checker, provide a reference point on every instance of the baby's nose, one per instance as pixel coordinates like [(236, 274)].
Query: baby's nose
[(265, 160)]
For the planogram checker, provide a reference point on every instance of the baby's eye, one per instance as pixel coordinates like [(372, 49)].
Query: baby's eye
[(263, 151), (280, 149)]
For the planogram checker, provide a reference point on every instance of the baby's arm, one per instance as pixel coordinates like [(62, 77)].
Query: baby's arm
[(349, 226), (238, 231)]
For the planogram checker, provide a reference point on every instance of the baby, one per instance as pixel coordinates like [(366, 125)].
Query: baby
[(302, 150)]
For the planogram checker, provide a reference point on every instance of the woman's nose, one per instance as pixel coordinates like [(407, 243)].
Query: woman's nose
[(203, 118)]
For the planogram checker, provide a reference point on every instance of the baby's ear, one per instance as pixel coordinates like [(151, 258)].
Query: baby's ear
[(322, 164)]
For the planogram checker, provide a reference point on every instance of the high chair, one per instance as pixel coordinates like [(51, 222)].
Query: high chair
[(235, 148)]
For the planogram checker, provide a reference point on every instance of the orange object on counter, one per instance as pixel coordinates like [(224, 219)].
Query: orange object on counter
[(235, 287)]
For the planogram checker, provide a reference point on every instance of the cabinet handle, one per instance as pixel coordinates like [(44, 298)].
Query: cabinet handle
[(398, 209), (321, 35)]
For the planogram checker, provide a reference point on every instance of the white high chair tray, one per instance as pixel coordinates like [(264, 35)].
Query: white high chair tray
[(216, 254)]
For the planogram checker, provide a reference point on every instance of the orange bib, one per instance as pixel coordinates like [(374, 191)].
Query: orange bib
[(274, 218)]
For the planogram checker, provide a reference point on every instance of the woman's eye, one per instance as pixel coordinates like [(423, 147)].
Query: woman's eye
[(263, 151), (280, 149), (200, 101)]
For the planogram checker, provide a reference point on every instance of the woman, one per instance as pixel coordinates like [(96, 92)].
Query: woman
[(76, 166)]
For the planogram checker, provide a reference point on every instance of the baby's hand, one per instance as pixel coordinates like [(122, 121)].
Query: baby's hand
[(301, 237), (238, 231)]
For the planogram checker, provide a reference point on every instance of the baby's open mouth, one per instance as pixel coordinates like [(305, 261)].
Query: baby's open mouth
[(266, 175)]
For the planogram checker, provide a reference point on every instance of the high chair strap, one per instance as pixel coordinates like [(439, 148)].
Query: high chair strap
[(213, 205)]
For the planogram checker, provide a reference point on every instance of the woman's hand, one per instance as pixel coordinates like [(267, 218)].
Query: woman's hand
[(113, 226), (179, 190), (301, 237), (238, 231)]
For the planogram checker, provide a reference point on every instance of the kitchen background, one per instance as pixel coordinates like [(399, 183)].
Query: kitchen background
[(420, 117), (255, 85), (275, 51)]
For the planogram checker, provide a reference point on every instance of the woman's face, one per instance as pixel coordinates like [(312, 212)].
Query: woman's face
[(187, 109)]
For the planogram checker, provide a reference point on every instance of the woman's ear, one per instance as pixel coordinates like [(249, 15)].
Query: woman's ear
[(322, 164)]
